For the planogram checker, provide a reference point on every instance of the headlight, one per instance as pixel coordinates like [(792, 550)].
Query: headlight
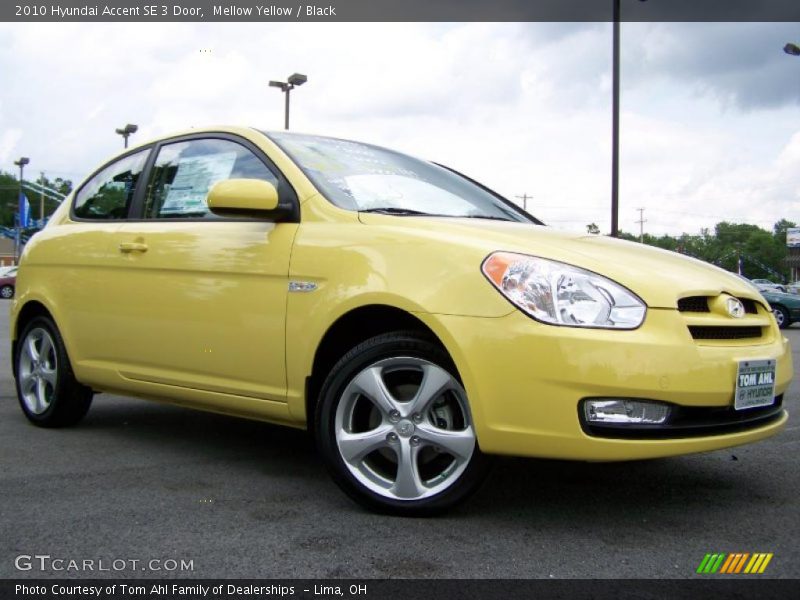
[(561, 294)]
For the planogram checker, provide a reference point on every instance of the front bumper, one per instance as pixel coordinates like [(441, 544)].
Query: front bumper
[(525, 381)]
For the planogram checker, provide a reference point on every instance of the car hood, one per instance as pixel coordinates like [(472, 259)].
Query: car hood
[(657, 276)]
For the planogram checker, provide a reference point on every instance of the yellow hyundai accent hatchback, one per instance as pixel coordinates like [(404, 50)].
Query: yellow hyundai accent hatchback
[(411, 318)]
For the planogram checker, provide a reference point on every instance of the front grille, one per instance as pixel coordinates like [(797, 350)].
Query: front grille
[(749, 306), (693, 304), (700, 304), (709, 332)]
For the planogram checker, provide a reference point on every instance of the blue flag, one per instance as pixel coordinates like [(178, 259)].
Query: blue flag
[(24, 211)]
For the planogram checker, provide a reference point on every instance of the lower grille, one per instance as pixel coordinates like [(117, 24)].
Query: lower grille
[(707, 332)]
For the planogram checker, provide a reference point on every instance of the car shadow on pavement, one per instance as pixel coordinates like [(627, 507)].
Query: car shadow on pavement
[(635, 490), (516, 486), (182, 430)]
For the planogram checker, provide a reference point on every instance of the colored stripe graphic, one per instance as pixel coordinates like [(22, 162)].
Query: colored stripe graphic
[(767, 558), (711, 563), (703, 563), (718, 563), (735, 562), (727, 564), (754, 563), (741, 562)]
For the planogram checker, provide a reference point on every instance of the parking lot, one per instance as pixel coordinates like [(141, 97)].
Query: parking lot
[(141, 481)]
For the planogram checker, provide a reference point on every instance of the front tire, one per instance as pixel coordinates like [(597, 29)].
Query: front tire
[(394, 427), (7, 291), (47, 390)]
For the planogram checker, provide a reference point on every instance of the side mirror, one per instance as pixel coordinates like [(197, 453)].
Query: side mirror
[(243, 198)]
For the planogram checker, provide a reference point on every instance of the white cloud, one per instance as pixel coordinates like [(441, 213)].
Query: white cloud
[(523, 107), (9, 140)]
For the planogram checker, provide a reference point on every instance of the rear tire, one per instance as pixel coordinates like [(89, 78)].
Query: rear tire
[(7, 292), (47, 390), (394, 427)]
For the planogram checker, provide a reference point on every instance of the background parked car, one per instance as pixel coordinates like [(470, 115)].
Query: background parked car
[(793, 288), (8, 284), (785, 307), (765, 285)]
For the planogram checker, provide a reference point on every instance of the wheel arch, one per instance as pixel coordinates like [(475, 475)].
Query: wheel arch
[(30, 310), (349, 330)]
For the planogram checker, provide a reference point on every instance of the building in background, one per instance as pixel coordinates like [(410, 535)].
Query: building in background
[(7, 258)]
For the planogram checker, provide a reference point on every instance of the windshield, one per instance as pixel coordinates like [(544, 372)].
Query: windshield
[(368, 178)]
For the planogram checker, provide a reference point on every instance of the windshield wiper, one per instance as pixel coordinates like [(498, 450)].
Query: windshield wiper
[(393, 210), (490, 217)]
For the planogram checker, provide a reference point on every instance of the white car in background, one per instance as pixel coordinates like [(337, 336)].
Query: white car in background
[(765, 285), (793, 288)]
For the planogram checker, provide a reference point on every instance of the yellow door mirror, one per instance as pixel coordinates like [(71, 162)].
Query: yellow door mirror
[(243, 198)]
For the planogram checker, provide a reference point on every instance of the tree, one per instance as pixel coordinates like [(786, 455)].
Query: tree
[(762, 253), (9, 197), (592, 228)]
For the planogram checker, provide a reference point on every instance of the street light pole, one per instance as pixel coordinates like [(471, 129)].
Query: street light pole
[(286, 87), (792, 50), (126, 131), (615, 127), (286, 109), (24, 160), (615, 124)]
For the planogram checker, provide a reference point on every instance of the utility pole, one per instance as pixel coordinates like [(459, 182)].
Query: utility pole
[(641, 223), (525, 199)]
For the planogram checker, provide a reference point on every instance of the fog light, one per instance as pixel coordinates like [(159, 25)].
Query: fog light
[(625, 411)]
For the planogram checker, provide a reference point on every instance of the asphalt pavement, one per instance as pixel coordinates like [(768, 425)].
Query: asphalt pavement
[(139, 488)]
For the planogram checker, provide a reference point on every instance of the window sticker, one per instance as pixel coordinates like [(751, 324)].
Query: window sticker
[(193, 179)]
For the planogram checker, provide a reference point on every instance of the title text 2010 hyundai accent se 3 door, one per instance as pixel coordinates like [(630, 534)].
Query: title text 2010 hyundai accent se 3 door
[(415, 321)]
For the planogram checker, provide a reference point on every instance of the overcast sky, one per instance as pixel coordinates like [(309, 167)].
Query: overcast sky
[(710, 126)]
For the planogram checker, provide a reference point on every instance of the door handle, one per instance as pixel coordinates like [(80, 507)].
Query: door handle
[(128, 247)]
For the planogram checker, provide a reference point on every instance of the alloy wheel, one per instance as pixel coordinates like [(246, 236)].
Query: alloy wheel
[(37, 370), (403, 428)]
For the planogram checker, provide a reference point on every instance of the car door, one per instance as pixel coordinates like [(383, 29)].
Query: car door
[(200, 300), (77, 265)]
